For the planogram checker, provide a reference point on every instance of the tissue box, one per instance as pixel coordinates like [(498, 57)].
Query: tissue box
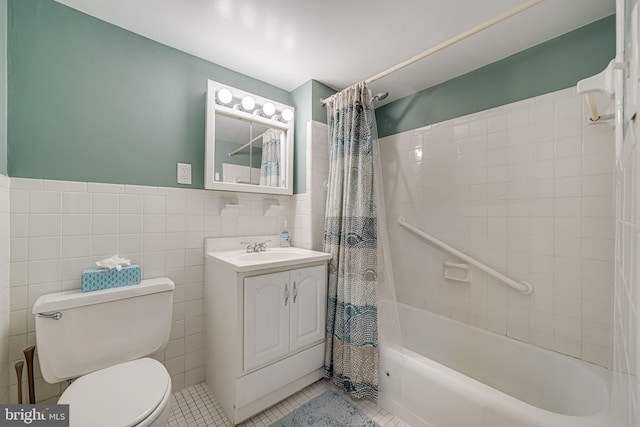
[(97, 279)]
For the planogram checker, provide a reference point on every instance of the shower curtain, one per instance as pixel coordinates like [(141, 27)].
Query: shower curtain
[(350, 235), (270, 164)]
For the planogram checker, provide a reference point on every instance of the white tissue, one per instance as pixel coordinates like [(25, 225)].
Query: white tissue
[(114, 262)]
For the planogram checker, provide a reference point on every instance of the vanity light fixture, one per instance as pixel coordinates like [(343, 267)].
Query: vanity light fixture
[(224, 96), (287, 114), (248, 103), (268, 109)]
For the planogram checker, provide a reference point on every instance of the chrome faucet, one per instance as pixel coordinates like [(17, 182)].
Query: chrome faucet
[(262, 246), (256, 246), (251, 247)]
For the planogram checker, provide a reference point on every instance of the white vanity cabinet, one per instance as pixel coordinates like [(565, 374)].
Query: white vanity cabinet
[(283, 312), (264, 327)]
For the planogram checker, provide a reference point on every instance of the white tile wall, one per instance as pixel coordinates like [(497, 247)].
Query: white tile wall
[(60, 228), (301, 232), (526, 188), (317, 178), (310, 206), (625, 396), (626, 388), (5, 368)]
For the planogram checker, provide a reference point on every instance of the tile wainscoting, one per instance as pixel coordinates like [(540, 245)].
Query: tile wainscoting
[(59, 228)]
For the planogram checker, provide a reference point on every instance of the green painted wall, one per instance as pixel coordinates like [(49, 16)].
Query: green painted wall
[(89, 101), (3, 87), (553, 65), (306, 99), (320, 91)]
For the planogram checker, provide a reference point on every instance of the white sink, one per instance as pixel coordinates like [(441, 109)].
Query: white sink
[(241, 261)]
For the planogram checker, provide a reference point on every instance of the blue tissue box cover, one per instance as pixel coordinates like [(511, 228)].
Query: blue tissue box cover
[(97, 279)]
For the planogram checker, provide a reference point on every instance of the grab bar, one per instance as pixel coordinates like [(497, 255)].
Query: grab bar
[(524, 287)]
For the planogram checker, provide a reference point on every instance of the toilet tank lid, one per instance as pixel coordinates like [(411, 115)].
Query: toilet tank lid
[(76, 298)]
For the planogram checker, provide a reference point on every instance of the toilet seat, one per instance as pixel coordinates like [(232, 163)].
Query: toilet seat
[(129, 394)]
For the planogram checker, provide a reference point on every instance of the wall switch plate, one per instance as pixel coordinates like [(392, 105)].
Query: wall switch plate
[(184, 173)]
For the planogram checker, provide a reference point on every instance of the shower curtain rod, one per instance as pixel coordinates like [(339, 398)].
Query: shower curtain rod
[(237, 150), (478, 28)]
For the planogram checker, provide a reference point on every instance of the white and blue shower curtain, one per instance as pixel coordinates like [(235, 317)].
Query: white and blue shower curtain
[(270, 164), (350, 235)]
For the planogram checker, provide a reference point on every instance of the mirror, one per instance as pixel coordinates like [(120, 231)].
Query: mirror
[(248, 153), (249, 145)]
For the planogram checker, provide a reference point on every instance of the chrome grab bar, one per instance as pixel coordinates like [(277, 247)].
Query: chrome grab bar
[(524, 287), (55, 316)]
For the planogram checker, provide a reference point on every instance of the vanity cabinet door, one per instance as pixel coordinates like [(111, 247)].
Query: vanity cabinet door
[(308, 308), (266, 318)]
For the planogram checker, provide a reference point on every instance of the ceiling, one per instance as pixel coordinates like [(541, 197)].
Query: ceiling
[(340, 42)]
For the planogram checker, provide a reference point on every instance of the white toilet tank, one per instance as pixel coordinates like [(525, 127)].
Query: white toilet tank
[(101, 328)]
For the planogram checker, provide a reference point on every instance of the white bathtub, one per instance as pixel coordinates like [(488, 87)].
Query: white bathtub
[(449, 374)]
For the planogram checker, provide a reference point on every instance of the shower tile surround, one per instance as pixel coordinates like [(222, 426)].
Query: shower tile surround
[(528, 189), (626, 352), (59, 228), (626, 345)]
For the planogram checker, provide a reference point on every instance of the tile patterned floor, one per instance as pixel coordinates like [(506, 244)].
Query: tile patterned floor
[(195, 406)]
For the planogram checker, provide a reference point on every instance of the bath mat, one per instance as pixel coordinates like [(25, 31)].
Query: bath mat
[(329, 409)]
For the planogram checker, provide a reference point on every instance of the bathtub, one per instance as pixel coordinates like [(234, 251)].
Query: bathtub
[(449, 374)]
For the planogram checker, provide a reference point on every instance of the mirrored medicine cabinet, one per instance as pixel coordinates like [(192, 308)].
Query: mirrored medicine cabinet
[(249, 142)]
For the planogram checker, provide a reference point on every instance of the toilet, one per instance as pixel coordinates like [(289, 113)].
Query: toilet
[(101, 339)]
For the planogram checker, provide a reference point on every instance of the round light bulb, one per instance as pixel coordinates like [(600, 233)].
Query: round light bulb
[(225, 96), (268, 109), (248, 103), (287, 114)]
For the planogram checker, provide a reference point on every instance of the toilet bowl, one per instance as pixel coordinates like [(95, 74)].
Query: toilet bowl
[(136, 393), (101, 340)]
